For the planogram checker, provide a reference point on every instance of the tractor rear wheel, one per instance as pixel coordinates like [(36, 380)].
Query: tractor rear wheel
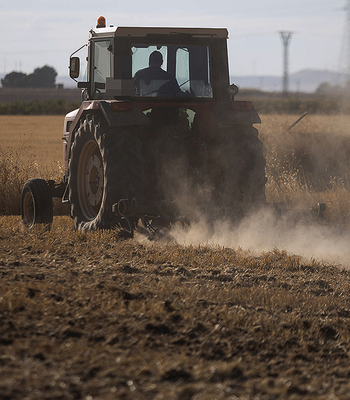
[(36, 203), (106, 166)]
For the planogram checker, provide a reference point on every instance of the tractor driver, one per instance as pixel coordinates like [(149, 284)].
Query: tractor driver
[(154, 81)]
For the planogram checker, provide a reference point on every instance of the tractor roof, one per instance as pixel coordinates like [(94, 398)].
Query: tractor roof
[(220, 33)]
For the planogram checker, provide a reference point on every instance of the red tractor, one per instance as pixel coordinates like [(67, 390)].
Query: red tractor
[(158, 134)]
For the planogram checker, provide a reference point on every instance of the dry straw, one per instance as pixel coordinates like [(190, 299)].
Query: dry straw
[(307, 165)]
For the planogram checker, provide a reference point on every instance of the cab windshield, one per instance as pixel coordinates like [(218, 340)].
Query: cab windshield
[(171, 71)]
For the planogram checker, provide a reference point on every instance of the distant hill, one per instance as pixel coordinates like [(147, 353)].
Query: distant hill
[(307, 81)]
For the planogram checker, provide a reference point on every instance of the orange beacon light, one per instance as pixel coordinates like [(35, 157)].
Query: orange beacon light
[(101, 22)]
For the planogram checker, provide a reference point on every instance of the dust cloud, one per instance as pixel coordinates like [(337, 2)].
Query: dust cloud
[(295, 231), (314, 159)]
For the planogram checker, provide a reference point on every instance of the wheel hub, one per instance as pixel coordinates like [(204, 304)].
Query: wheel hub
[(28, 209), (90, 180)]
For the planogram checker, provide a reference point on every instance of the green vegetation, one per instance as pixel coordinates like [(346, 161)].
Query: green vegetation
[(327, 89), (35, 107), (299, 105), (265, 105)]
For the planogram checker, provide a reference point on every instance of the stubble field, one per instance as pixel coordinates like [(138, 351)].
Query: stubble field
[(255, 311)]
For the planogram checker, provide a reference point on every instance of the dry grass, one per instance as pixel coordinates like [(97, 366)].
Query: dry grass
[(304, 166), (310, 163), (30, 146), (36, 137)]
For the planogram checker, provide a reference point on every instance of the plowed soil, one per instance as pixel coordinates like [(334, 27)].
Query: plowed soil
[(95, 316)]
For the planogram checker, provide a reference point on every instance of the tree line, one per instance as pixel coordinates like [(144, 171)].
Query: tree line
[(327, 89), (44, 77)]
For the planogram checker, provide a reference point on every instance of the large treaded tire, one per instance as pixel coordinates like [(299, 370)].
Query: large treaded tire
[(36, 203), (237, 170), (106, 165)]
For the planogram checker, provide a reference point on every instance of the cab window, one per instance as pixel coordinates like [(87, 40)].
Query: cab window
[(102, 64), (171, 70)]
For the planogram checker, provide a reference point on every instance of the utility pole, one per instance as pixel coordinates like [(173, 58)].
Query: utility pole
[(344, 62), (347, 54), (286, 37)]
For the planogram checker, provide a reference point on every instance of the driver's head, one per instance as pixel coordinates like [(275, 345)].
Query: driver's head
[(155, 59)]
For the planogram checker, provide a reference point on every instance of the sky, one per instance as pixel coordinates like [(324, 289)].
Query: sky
[(44, 32)]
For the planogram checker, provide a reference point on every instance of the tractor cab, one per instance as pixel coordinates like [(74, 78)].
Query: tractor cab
[(155, 64)]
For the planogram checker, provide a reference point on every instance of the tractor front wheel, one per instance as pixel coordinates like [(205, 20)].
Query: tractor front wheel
[(36, 203)]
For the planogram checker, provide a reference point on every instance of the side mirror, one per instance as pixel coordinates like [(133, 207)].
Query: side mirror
[(74, 67)]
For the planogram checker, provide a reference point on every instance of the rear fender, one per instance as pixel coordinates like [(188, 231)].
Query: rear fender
[(235, 112), (115, 112)]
